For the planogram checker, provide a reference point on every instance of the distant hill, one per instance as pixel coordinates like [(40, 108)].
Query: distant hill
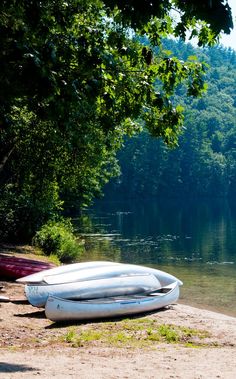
[(204, 164)]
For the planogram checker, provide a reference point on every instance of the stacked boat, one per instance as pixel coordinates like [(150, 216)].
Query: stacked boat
[(12, 267), (100, 289)]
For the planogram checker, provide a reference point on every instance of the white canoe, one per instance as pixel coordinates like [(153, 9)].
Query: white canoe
[(110, 271), (4, 298), (58, 309), (38, 277), (98, 288)]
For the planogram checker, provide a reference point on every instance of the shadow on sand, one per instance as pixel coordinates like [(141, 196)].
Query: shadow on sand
[(36, 314), (13, 367)]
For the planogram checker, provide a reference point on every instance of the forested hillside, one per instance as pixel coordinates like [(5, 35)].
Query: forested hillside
[(76, 80), (204, 163)]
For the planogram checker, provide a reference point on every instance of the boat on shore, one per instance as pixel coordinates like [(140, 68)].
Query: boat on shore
[(122, 285), (12, 267), (58, 309), (92, 280), (68, 269), (109, 271), (76, 272)]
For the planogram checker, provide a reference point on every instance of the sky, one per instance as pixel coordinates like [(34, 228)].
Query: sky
[(230, 40)]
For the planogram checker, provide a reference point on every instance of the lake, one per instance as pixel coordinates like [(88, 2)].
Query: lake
[(193, 240)]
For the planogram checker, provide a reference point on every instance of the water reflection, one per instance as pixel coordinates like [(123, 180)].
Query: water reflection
[(193, 240)]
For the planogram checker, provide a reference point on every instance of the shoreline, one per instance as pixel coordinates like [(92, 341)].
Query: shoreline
[(27, 251), (32, 345), (207, 308)]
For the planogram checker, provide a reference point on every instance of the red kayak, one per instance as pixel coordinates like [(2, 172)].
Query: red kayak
[(15, 267)]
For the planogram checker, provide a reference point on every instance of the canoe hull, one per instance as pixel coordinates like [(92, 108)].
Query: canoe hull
[(98, 288), (58, 309), (94, 270), (13, 268), (21, 260), (110, 271), (68, 269)]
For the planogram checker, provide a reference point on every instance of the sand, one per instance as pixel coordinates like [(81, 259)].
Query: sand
[(27, 350)]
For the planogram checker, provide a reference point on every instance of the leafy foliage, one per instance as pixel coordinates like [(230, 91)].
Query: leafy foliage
[(75, 79), (204, 162), (57, 238)]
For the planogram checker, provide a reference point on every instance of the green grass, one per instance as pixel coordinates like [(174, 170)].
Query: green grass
[(77, 339), (137, 333)]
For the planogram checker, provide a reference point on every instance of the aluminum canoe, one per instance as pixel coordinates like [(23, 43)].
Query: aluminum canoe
[(98, 288), (64, 269), (58, 309), (110, 271)]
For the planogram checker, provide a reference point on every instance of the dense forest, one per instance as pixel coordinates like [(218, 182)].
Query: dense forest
[(204, 163), (77, 78)]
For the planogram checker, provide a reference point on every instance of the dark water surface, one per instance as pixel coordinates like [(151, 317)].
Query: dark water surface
[(193, 240)]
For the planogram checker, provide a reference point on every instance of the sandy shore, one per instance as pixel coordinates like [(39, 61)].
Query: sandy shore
[(30, 345)]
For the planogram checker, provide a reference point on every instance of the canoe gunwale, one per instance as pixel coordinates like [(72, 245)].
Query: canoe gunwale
[(58, 309), (149, 295)]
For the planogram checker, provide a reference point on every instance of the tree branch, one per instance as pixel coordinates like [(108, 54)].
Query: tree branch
[(5, 159)]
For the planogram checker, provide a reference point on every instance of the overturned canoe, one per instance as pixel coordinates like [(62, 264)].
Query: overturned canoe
[(110, 271), (58, 309), (91, 289), (22, 260), (78, 267), (12, 267)]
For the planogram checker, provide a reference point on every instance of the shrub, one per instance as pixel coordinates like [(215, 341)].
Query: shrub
[(56, 237)]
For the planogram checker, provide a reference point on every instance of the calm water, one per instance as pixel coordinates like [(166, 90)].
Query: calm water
[(195, 241)]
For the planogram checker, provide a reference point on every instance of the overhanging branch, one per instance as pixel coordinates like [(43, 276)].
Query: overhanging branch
[(5, 158)]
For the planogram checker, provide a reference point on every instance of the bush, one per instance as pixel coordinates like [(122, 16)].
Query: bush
[(56, 237)]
